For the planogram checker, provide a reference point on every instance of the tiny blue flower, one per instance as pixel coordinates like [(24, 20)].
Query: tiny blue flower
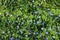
[(17, 27), (38, 16), (21, 31), (17, 39), (36, 12), (59, 33), (36, 33), (46, 32), (32, 0), (38, 22), (11, 38), (46, 38), (50, 13), (40, 35), (56, 18)]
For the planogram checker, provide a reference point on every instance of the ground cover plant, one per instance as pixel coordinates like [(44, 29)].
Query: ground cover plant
[(29, 19)]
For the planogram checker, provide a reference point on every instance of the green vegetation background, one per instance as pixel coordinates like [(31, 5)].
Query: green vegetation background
[(29, 20)]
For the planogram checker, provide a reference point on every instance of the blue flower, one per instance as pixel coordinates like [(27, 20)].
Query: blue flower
[(11, 38), (59, 33), (17, 39), (32, 0), (41, 35), (38, 22), (46, 32), (38, 16), (35, 33), (50, 13), (17, 27), (46, 38)]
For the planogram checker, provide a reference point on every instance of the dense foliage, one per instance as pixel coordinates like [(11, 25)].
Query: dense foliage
[(29, 19)]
